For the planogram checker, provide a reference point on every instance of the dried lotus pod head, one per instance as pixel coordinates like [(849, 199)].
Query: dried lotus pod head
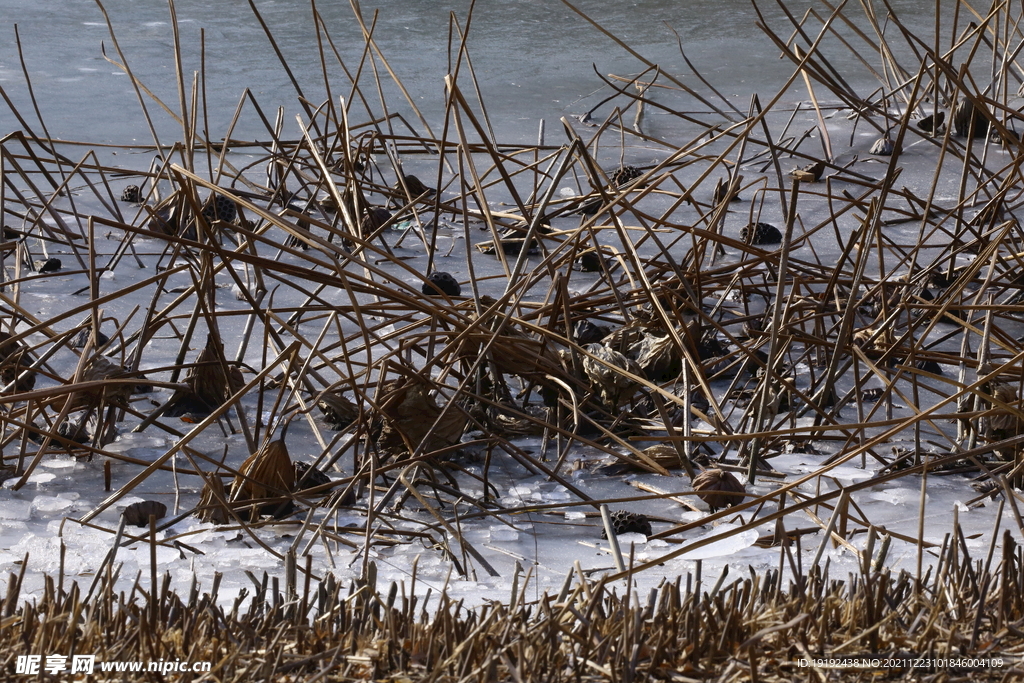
[(719, 489), (267, 473), (338, 411), (624, 522), (211, 502), (761, 233), (219, 208), (138, 514), (131, 194), (440, 282), (626, 175)]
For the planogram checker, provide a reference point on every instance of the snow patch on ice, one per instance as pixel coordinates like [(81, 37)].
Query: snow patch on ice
[(632, 537), (500, 532), (51, 503), (16, 509), (726, 546)]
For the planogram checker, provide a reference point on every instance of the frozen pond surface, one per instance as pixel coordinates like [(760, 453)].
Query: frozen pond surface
[(533, 61)]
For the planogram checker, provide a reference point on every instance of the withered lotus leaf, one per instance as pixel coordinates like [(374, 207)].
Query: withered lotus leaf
[(408, 411), (265, 474), (719, 488)]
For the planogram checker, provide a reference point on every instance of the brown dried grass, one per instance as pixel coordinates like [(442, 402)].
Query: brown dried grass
[(755, 627)]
